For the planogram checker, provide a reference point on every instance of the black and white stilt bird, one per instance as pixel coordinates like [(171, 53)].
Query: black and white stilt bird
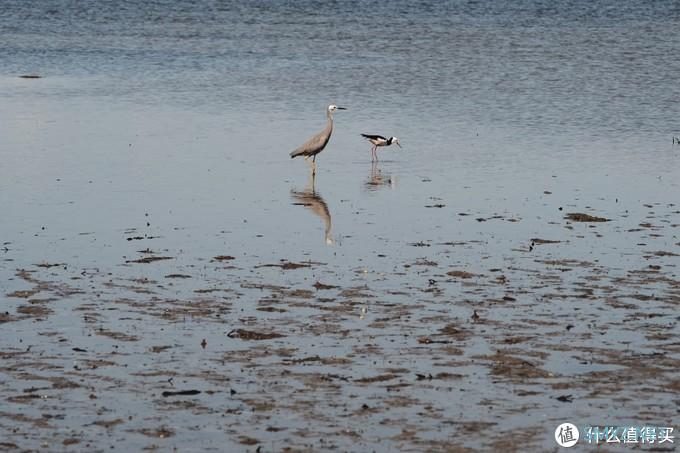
[(318, 142), (379, 140)]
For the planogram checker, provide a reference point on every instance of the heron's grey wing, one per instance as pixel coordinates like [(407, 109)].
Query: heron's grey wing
[(314, 144), (373, 137)]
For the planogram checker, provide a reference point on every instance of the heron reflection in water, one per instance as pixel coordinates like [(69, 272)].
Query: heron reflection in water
[(376, 180), (313, 201)]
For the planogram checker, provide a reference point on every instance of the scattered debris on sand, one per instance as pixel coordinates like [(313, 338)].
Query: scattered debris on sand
[(581, 217)]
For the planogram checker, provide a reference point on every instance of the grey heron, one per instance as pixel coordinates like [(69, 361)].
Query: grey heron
[(379, 140), (318, 142)]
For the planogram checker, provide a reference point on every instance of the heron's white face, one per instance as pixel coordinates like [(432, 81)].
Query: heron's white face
[(332, 108)]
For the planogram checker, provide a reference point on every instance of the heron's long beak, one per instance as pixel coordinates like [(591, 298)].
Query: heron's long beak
[(341, 108)]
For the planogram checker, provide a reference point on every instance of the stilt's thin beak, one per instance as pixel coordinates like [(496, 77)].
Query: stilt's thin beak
[(341, 108), (398, 144)]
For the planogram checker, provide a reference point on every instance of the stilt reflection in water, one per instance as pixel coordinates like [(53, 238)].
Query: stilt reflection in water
[(377, 179)]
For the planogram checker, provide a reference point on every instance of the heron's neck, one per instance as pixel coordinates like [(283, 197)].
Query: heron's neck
[(329, 114)]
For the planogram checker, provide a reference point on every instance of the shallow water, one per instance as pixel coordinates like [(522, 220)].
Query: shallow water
[(416, 306)]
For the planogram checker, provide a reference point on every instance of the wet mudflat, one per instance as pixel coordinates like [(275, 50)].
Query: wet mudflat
[(489, 339)]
